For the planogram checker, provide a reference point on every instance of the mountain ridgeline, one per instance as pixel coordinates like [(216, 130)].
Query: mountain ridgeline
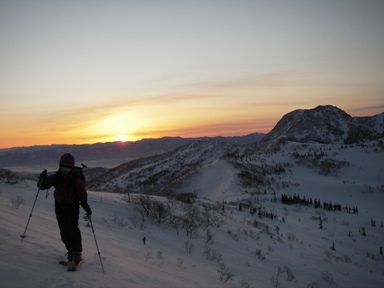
[(107, 154), (327, 124), (169, 165), (172, 172)]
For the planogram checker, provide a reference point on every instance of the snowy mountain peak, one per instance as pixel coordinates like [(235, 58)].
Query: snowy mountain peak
[(326, 124)]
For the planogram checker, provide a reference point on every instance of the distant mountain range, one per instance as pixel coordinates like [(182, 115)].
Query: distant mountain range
[(323, 124), (105, 154)]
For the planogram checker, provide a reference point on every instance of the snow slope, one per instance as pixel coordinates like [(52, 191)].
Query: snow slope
[(216, 181), (290, 251)]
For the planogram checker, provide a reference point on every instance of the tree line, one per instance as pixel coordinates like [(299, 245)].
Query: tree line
[(296, 199)]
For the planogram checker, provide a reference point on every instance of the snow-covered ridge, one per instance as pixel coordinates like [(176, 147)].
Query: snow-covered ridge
[(327, 124), (231, 236), (171, 172)]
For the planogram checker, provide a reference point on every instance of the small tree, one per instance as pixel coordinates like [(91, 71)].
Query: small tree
[(191, 220), (208, 216), (160, 211), (128, 192), (145, 202), (176, 222)]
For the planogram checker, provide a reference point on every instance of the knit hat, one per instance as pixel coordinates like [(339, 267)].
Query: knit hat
[(67, 160)]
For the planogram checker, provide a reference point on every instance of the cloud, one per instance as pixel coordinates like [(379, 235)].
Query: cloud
[(368, 110), (234, 128)]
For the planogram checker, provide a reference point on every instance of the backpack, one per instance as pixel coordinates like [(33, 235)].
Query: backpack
[(77, 172)]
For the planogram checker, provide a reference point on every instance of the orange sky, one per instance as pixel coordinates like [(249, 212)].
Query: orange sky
[(79, 72)]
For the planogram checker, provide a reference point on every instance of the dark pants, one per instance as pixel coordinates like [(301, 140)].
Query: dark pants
[(68, 219)]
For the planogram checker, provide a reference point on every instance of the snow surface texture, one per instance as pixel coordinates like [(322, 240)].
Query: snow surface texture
[(246, 250)]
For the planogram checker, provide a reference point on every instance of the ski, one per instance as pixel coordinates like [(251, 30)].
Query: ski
[(75, 267), (65, 263)]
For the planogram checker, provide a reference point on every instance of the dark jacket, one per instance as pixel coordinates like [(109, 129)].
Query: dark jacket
[(69, 189)]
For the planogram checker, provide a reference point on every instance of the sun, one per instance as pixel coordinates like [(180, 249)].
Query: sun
[(122, 138)]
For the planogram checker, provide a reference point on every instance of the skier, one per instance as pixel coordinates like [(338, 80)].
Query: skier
[(69, 192)]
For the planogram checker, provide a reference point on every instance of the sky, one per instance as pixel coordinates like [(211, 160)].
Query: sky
[(75, 72)]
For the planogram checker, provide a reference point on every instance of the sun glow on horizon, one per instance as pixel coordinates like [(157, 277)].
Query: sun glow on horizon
[(171, 78), (122, 138)]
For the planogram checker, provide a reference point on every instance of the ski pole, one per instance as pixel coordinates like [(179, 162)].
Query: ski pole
[(97, 246), (30, 215), (33, 207)]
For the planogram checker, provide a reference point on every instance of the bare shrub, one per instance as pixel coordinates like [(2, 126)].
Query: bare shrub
[(180, 261), (291, 237), (121, 221), (9, 176), (327, 276), (247, 264), (344, 258), (233, 235), (147, 256), (189, 247), (328, 256), (225, 273), (245, 284), (290, 275), (287, 270), (159, 254), (212, 254), (17, 201), (347, 259), (313, 285), (135, 221), (275, 282), (209, 236), (158, 264), (259, 254), (329, 166), (370, 256), (279, 239)]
